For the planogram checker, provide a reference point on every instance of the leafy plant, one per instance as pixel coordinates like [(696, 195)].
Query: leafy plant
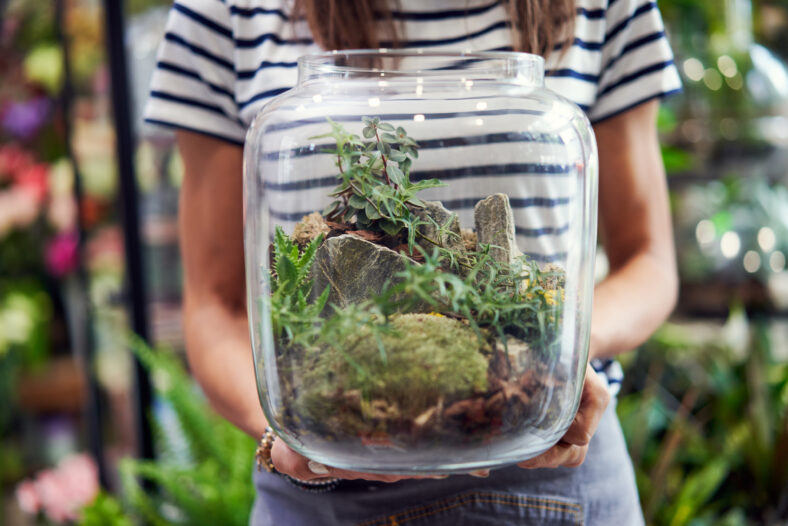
[(375, 188), (105, 510), (293, 316), (706, 421), (212, 486)]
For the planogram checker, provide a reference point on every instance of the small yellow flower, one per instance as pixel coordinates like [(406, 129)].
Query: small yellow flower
[(549, 296), (436, 314)]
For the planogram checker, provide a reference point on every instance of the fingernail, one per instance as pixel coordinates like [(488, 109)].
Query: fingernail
[(480, 473), (317, 468)]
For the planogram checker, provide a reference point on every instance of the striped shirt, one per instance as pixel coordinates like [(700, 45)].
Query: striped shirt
[(222, 60)]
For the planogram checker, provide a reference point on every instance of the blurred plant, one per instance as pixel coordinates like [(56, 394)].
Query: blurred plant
[(675, 158), (734, 229), (706, 420), (211, 486), (105, 510)]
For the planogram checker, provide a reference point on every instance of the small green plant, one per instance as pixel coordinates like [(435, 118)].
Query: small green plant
[(294, 317), (375, 189)]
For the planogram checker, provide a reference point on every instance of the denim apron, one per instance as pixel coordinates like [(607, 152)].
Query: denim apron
[(602, 491)]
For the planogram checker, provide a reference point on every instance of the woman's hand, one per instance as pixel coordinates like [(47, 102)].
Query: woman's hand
[(571, 450)]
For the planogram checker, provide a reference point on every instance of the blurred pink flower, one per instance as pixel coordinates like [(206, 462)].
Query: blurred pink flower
[(79, 474), (54, 497), (61, 254), (60, 493), (13, 160), (18, 209), (62, 213), (34, 179), (104, 250), (27, 498)]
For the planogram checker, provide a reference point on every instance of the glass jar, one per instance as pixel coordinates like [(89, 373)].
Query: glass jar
[(419, 234)]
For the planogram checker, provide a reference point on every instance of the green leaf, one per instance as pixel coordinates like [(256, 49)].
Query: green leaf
[(416, 201), (405, 167), (305, 261), (356, 201), (322, 299), (330, 209), (371, 212), (368, 132), (390, 227), (397, 156), (287, 272), (389, 138), (362, 221), (395, 174), (385, 126), (384, 148)]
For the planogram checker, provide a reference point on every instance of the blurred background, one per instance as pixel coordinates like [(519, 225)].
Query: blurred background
[(98, 429)]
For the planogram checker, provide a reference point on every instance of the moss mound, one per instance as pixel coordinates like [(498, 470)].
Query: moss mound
[(430, 360)]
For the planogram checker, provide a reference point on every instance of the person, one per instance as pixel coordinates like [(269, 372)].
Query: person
[(222, 60)]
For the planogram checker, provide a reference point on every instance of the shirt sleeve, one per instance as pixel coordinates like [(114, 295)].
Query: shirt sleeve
[(193, 85), (637, 62)]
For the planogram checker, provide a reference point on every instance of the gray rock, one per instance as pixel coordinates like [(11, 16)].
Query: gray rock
[(354, 268), (495, 226), (436, 215)]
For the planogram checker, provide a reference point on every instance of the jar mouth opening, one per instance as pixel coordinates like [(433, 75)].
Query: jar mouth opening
[(427, 65)]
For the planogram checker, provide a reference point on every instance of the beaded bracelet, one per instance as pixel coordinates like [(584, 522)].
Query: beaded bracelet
[(263, 457)]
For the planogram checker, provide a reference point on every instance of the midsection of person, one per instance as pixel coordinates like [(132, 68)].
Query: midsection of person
[(221, 61)]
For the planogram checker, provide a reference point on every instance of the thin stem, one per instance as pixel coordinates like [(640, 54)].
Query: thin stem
[(383, 158), (368, 200), (430, 240)]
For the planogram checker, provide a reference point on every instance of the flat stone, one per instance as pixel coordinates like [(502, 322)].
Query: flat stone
[(495, 226), (354, 268), (438, 217)]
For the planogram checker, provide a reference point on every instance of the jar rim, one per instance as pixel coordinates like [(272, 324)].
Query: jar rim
[(525, 67)]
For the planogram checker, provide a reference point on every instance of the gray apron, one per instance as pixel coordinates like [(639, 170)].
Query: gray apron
[(600, 492)]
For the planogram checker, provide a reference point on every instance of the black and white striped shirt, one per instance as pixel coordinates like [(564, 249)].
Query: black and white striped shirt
[(222, 60)]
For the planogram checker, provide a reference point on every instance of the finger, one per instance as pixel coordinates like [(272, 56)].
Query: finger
[(561, 454), (291, 463), (593, 401)]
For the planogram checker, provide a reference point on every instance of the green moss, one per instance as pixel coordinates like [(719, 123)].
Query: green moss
[(429, 360)]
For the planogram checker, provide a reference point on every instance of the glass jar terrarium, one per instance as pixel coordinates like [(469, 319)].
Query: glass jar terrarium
[(419, 234)]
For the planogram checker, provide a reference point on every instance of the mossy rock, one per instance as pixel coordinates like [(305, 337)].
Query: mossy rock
[(429, 360)]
